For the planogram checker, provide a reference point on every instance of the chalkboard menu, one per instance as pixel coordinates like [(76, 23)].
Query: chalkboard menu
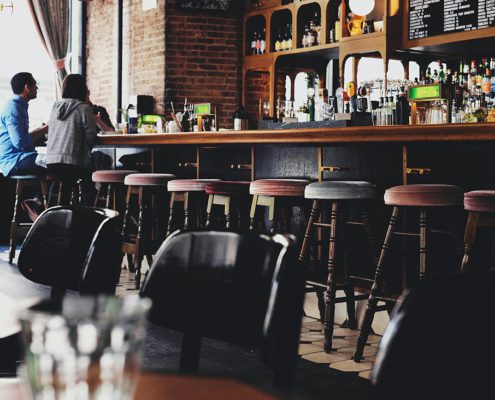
[(434, 17)]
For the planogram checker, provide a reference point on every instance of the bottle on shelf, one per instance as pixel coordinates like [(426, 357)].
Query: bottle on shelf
[(288, 37), (253, 43), (305, 37), (311, 107), (435, 76), (258, 44), (132, 119), (278, 42), (185, 123), (240, 119), (441, 73), (263, 42)]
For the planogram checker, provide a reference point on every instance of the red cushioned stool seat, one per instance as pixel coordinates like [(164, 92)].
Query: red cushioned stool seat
[(188, 185), (278, 187), (111, 175), (426, 195), (480, 201), (228, 188), (150, 179)]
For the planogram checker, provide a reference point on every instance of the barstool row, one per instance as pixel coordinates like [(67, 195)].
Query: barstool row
[(142, 237)]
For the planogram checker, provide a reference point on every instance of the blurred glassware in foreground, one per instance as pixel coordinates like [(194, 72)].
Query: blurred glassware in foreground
[(84, 348)]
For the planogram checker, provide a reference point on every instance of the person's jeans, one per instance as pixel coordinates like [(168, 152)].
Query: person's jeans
[(28, 166)]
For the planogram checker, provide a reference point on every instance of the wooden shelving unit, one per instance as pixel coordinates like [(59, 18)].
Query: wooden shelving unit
[(391, 42)]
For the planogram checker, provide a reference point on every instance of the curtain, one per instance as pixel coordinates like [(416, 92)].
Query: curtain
[(51, 19)]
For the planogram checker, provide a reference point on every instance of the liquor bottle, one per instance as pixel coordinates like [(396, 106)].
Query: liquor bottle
[(428, 79), (486, 83), (285, 45), (305, 36), (311, 108), (132, 119), (185, 123), (253, 44), (278, 42), (317, 29), (312, 34), (258, 44), (263, 42), (240, 119), (289, 36), (435, 76), (441, 74)]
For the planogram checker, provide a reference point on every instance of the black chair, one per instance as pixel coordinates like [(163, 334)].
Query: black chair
[(440, 341), (241, 288), (74, 248)]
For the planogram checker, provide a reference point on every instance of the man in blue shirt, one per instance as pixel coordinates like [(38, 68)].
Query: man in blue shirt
[(17, 145)]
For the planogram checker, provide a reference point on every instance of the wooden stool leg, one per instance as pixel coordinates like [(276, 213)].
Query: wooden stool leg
[(331, 288), (369, 234), (171, 214), (138, 258), (469, 238), (209, 208), (227, 212), (14, 224), (423, 233), (350, 297), (186, 211), (376, 288), (272, 212), (130, 261), (109, 196), (315, 212), (252, 213), (44, 192)]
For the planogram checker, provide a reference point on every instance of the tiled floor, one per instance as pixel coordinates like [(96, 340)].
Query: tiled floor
[(311, 342)]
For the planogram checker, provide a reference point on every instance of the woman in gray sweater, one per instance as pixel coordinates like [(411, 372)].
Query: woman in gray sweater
[(71, 137)]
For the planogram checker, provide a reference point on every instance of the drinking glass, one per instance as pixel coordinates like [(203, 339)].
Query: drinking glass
[(266, 109), (83, 348)]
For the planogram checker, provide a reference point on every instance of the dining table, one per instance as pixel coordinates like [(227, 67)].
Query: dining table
[(153, 386)]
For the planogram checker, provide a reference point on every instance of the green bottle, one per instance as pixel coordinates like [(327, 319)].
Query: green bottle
[(311, 108)]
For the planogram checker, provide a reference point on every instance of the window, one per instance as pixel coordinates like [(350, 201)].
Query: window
[(22, 51)]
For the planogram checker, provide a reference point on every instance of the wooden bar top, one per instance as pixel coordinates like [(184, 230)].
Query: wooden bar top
[(152, 386), (356, 134)]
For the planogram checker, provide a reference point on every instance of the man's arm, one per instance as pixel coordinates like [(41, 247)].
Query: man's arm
[(38, 135)]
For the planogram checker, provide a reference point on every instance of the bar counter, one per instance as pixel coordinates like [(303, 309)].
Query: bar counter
[(356, 134)]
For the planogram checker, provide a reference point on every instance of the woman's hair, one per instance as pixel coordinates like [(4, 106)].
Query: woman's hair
[(74, 87)]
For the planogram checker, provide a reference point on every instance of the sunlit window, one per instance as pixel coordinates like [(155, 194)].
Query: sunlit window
[(22, 51)]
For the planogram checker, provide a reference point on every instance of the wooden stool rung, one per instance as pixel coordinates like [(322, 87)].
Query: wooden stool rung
[(321, 225), (406, 234), (355, 223)]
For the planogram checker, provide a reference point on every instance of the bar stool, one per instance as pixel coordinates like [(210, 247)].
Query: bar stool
[(18, 228), (480, 205), (182, 191), (111, 185), (337, 194), (146, 186), (424, 197), (277, 195), (227, 194)]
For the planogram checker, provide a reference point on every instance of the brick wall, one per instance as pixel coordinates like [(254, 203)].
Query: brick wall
[(101, 54), (172, 54), (257, 87), (204, 52)]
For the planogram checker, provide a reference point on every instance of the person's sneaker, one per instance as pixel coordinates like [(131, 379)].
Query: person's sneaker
[(33, 208)]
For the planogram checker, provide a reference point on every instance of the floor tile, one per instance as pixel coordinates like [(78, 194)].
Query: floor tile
[(324, 358), (351, 366)]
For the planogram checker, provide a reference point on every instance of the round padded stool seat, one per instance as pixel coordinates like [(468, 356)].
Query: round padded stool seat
[(188, 185), (480, 201), (111, 175), (340, 190), (228, 188), (149, 179), (427, 195), (26, 177), (278, 187)]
